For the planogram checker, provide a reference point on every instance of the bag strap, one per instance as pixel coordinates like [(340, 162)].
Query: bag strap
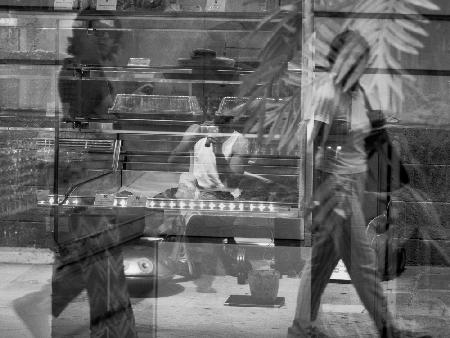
[(388, 154), (366, 98), (378, 121)]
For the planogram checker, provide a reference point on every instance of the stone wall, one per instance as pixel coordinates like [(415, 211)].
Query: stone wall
[(421, 212)]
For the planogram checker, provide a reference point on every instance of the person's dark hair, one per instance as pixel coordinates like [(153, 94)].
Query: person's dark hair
[(348, 52), (109, 21), (89, 45), (341, 40)]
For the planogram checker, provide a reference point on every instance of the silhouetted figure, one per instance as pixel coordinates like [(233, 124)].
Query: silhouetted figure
[(341, 124), (91, 259), (97, 46)]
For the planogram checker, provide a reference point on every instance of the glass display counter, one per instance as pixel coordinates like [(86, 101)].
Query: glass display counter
[(117, 137)]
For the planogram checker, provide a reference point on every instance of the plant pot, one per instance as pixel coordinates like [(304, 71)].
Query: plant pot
[(264, 285)]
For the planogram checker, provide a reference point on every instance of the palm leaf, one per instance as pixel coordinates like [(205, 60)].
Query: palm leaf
[(402, 38), (386, 39), (410, 26), (427, 4), (404, 35), (264, 22), (400, 44), (375, 6)]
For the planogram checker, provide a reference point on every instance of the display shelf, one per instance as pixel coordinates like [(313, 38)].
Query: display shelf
[(50, 11), (87, 144), (123, 147), (250, 18), (163, 74), (256, 208)]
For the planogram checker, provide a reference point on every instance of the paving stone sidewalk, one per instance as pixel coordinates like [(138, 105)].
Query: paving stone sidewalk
[(420, 300)]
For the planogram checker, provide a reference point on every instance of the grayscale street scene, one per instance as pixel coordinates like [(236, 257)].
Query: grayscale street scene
[(224, 168)]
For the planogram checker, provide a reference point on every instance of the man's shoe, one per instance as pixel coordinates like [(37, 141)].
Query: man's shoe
[(316, 333), (310, 332)]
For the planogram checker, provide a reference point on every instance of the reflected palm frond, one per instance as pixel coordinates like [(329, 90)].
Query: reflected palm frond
[(389, 38)]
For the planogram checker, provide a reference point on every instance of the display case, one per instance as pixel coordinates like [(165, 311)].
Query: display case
[(115, 136), (122, 132)]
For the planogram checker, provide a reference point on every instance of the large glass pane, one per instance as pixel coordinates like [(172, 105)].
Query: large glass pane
[(176, 168)]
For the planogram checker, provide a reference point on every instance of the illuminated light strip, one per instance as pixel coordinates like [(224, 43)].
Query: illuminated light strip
[(121, 202), (157, 203), (51, 201)]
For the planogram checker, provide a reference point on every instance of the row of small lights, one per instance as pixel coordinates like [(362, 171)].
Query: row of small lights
[(51, 201), (181, 204), (209, 205)]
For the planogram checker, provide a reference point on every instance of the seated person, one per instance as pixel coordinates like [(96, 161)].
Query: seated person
[(218, 158), (215, 172), (216, 167)]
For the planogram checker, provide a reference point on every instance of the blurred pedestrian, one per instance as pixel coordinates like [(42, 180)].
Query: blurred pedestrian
[(91, 258), (340, 126)]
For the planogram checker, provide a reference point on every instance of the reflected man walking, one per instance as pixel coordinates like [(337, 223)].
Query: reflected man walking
[(341, 124)]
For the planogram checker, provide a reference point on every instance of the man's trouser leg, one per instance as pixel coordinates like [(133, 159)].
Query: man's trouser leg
[(110, 308), (314, 279), (359, 258)]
